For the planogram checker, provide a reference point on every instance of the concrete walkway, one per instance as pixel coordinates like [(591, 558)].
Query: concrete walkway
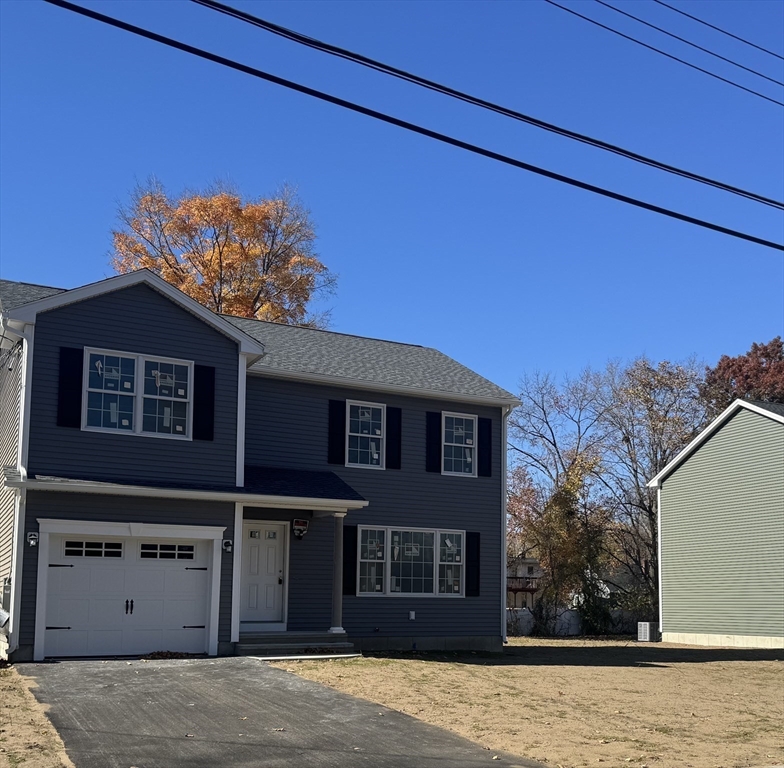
[(233, 713)]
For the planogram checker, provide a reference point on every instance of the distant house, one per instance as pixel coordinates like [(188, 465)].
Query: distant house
[(721, 532), (522, 582)]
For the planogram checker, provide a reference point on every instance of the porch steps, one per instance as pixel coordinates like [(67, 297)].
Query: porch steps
[(293, 644)]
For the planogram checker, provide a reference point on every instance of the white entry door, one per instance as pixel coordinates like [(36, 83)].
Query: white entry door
[(263, 571), (126, 596)]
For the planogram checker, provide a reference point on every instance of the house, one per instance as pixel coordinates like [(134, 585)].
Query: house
[(178, 480), (721, 532), (523, 575)]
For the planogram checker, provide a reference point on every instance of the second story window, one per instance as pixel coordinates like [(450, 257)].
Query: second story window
[(366, 424), (459, 431), (137, 394)]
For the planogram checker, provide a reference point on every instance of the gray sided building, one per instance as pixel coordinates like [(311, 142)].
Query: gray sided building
[(721, 532), (178, 480)]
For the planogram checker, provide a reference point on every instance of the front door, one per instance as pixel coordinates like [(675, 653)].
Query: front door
[(263, 550)]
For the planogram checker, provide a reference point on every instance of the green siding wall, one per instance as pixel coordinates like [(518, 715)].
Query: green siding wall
[(722, 533)]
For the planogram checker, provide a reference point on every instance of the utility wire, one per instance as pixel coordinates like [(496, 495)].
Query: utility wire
[(688, 42), (664, 53), (719, 29), (406, 125), (474, 100)]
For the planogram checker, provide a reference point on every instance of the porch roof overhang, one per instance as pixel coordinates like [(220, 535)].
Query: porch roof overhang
[(265, 487)]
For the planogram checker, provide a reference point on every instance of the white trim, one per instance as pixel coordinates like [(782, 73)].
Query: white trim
[(138, 393), (388, 561), (236, 573), (659, 555), (383, 408), (48, 526), (16, 569), (26, 398), (27, 312), (254, 499), (736, 405), (474, 447), (504, 501), (242, 379), (372, 386)]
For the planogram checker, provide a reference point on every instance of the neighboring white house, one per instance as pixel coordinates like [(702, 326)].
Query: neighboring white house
[(721, 532)]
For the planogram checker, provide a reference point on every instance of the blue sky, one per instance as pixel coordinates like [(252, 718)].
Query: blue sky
[(505, 271)]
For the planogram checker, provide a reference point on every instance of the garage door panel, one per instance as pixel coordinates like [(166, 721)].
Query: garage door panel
[(89, 595), (111, 580), (149, 580), (186, 582), (74, 580)]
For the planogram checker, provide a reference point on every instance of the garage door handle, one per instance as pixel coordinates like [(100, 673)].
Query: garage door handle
[(126, 607), (131, 607), (196, 569)]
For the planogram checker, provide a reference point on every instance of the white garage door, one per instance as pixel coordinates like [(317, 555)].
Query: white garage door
[(126, 596)]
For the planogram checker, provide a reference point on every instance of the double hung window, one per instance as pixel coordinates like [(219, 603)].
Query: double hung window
[(398, 561), (459, 449), (365, 434), (137, 394)]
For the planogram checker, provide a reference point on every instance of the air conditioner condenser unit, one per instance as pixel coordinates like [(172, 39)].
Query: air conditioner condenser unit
[(647, 632)]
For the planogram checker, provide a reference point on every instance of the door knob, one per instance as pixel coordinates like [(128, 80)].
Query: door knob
[(280, 580)]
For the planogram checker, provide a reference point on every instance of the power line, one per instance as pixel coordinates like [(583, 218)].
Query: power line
[(406, 125), (719, 29), (664, 53), (688, 42), (474, 100)]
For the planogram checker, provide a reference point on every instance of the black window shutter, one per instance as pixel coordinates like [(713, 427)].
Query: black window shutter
[(349, 559), (336, 443), (69, 393), (433, 442), (203, 402), (472, 564), (485, 448), (394, 437)]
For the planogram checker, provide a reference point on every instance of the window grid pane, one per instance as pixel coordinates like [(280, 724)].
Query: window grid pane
[(372, 561), (459, 444), (450, 559), (365, 435), (411, 555)]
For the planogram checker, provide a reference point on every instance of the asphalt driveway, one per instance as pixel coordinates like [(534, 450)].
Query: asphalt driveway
[(233, 713)]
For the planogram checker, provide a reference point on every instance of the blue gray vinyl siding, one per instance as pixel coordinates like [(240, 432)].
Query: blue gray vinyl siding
[(73, 506), (287, 426), (722, 533), (142, 321), (10, 393)]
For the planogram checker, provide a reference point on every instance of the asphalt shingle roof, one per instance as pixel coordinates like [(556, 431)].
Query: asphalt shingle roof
[(292, 350), (14, 294)]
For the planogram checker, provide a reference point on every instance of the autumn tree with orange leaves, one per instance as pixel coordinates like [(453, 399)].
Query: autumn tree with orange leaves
[(248, 257)]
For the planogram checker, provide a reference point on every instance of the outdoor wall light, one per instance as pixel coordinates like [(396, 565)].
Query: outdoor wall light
[(32, 539), (227, 545)]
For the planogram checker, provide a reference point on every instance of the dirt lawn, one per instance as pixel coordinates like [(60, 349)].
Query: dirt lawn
[(27, 738), (587, 702)]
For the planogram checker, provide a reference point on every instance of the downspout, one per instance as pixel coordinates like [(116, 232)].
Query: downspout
[(21, 460), (658, 554), (507, 409)]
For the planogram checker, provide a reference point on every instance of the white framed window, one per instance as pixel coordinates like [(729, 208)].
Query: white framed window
[(83, 548), (459, 431), (397, 562), (372, 561), (365, 434), (139, 394)]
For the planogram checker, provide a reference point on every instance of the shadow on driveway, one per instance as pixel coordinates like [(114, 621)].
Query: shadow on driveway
[(233, 713)]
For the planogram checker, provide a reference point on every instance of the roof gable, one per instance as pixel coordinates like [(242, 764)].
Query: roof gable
[(27, 312), (774, 411)]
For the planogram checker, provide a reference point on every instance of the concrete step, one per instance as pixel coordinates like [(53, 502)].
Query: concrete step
[(293, 638), (292, 643)]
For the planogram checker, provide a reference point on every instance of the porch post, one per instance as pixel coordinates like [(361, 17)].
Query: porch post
[(337, 575)]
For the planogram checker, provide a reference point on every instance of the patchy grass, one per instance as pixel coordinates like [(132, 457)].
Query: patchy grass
[(576, 702), (27, 738)]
